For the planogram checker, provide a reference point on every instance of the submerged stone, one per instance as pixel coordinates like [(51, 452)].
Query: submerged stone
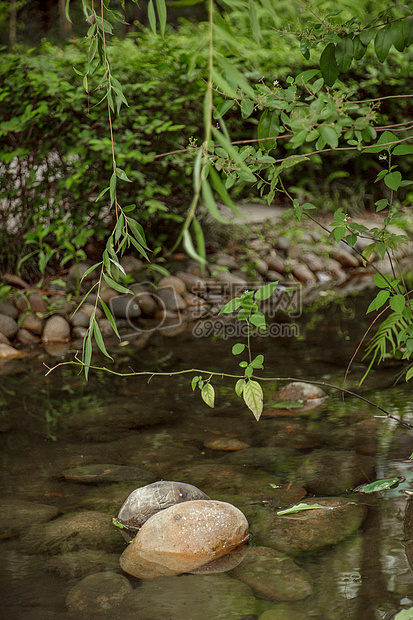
[(17, 515), (83, 530), (308, 530), (78, 564), (190, 597), (274, 576), (96, 593), (97, 473)]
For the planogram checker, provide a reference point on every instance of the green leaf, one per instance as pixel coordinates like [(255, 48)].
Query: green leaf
[(328, 64), (408, 30), (235, 75), (409, 375), (344, 53), (403, 149), (329, 135), (393, 180), (222, 108), (116, 285), (122, 175), (231, 306), (379, 485), (112, 188), (397, 35), (233, 153), (87, 352), (211, 204), (359, 48), (189, 248), (268, 127), (99, 338), (238, 348), (208, 394), (265, 291), (109, 317), (382, 42), (381, 204), (257, 362), (380, 281), (247, 108), (300, 508), (152, 16), (255, 26), (195, 381), (222, 192), (254, 398), (380, 299), (161, 8), (397, 303), (199, 238), (239, 386), (258, 319)]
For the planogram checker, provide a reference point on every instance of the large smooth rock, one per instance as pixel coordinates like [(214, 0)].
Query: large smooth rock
[(17, 515), (7, 307), (274, 576), (96, 593), (169, 299), (56, 329), (33, 324), (191, 597), (184, 537), (309, 530), (174, 282), (146, 501), (83, 530)]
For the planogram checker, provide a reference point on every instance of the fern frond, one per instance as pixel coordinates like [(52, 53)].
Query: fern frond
[(387, 334)]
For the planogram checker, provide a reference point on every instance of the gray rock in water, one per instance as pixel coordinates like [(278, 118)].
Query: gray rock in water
[(146, 501)]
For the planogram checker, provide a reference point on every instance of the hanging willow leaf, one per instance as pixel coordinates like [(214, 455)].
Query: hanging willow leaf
[(152, 16), (161, 8), (189, 248), (328, 64)]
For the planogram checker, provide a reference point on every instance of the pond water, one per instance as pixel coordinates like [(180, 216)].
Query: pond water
[(52, 424)]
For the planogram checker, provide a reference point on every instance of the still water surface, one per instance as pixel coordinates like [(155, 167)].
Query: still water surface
[(48, 425)]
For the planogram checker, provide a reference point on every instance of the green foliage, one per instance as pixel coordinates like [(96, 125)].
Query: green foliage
[(379, 485), (56, 150)]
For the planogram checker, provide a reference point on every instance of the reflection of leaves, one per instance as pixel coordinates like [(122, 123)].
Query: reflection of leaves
[(379, 485), (300, 508)]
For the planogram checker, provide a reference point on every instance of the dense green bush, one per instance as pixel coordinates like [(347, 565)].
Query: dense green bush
[(55, 147), (55, 154)]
